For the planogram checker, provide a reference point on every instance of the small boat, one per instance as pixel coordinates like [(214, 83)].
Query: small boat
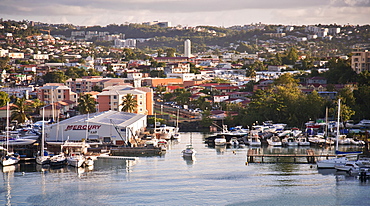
[(302, 141), (43, 159), (274, 141), (253, 140), (164, 132), (350, 167), (332, 163), (10, 159), (289, 141), (234, 141), (76, 160), (188, 151), (57, 160), (88, 162), (356, 141), (220, 141)]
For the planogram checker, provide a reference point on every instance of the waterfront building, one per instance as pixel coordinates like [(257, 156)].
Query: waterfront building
[(107, 127)]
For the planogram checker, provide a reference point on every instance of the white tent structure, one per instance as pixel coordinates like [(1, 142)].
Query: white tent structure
[(105, 127)]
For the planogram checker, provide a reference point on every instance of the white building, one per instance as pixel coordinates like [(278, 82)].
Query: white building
[(125, 43), (187, 48), (106, 127)]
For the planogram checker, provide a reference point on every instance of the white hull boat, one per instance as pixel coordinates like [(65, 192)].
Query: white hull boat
[(274, 141), (76, 160), (332, 163), (188, 151), (220, 141), (9, 160), (59, 159), (302, 141)]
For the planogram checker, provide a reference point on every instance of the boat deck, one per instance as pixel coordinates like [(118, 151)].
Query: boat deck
[(310, 157)]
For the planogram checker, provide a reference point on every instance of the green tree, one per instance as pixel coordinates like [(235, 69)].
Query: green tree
[(37, 105), (291, 57), (171, 52), (206, 119), (54, 77), (4, 98), (86, 104), (20, 110), (129, 103)]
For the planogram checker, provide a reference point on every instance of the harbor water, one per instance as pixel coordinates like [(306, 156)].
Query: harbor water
[(217, 176)]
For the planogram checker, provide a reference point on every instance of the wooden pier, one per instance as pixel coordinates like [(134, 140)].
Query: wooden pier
[(310, 156), (117, 157)]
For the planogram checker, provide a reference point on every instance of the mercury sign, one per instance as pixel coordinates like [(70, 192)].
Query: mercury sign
[(82, 127)]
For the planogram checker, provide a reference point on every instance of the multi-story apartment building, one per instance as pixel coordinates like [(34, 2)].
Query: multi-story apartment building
[(111, 98), (360, 61), (54, 92), (87, 84)]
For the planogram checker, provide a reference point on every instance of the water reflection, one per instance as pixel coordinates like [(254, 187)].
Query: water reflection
[(190, 160), (8, 175), (220, 150)]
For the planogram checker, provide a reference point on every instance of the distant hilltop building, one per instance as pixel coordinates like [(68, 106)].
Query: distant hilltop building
[(360, 60), (161, 24), (187, 48)]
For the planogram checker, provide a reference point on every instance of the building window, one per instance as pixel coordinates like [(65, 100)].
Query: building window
[(140, 102), (141, 96), (114, 96), (59, 96), (58, 90)]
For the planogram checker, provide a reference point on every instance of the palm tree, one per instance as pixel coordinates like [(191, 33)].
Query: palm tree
[(86, 104), (37, 104), (20, 110), (129, 103)]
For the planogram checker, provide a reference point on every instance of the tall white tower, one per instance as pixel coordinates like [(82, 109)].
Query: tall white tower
[(187, 48)]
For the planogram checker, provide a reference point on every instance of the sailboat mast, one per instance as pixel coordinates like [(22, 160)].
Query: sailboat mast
[(7, 126), (177, 119), (336, 143), (43, 132), (87, 127)]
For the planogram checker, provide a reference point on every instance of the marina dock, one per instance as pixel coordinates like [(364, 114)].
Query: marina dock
[(117, 157), (310, 156)]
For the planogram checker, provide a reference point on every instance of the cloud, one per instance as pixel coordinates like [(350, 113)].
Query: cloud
[(186, 12)]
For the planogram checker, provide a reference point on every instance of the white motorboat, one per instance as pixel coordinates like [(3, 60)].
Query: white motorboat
[(349, 166), (302, 141), (188, 151), (89, 162), (220, 141), (234, 141), (164, 132), (76, 160), (274, 141), (317, 140), (289, 141), (356, 141), (254, 140), (343, 140)]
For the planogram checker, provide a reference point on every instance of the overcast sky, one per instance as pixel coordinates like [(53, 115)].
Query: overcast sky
[(188, 12)]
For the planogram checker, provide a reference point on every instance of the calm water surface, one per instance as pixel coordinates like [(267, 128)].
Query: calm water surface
[(218, 176)]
